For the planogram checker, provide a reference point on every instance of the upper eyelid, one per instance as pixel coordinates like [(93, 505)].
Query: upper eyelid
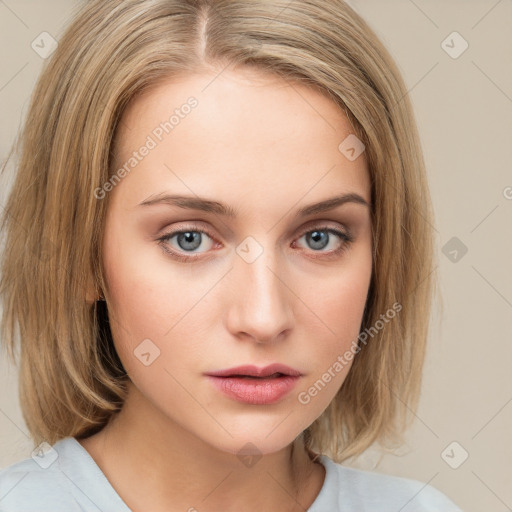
[(315, 225), (310, 226)]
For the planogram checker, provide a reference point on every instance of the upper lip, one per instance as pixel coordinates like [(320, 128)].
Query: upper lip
[(254, 371)]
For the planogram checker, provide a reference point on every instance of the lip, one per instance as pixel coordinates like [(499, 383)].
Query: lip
[(254, 371), (257, 386)]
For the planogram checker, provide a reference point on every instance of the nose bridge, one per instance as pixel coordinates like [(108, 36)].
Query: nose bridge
[(260, 307)]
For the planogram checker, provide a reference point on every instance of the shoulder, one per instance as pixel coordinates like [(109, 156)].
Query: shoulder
[(33, 484), (372, 492), (58, 479)]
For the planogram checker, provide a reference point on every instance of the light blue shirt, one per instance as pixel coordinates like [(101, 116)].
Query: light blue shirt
[(65, 478)]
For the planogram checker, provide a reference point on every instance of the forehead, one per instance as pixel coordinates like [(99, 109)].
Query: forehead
[(256, 130), (228, 98)]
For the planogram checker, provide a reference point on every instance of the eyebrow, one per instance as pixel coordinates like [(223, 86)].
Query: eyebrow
[(207, 205)]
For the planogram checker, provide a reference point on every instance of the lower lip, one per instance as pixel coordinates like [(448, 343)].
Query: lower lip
[(255, 391)]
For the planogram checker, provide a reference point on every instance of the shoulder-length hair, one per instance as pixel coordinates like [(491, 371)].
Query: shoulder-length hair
[(71, 380)]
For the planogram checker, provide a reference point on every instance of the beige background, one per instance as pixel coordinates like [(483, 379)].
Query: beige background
[(464, 111)]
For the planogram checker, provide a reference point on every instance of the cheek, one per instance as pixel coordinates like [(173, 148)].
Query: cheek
[(340, 302), (338, 309), (150, 299), (146, 294), (344, 306)]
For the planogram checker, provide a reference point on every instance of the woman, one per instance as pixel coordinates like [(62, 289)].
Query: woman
[(218, 257)]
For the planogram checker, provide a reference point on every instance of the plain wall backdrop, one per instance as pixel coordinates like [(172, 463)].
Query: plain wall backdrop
[(463, 103)]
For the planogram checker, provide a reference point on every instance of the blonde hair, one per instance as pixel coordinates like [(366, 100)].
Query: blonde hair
[(71, 380)]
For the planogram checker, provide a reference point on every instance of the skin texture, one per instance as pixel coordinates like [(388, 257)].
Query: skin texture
[(265, 147)]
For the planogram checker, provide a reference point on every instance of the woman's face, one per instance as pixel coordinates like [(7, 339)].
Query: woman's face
[(233, 272)]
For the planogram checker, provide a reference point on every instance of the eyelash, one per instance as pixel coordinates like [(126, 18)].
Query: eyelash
[(345, 237)]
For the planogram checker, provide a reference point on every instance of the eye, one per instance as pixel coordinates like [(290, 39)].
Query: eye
[(183, 244), (327, 237), (186, 240)]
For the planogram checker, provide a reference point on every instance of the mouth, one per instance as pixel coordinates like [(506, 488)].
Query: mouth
[(256, 386)]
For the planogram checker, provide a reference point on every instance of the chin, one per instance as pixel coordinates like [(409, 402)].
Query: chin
[(254, 441)]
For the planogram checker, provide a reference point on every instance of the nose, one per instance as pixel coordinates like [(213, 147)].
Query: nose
[(260, 306)]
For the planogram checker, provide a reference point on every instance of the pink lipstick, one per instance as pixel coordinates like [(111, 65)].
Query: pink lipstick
[(258, 386)]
